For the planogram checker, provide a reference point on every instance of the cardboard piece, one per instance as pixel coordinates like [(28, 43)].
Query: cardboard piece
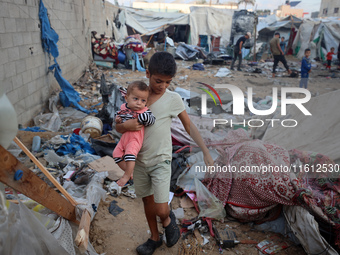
[(107, 164)]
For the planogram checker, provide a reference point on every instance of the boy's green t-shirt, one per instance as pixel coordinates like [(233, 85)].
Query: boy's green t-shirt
[(157, 143)]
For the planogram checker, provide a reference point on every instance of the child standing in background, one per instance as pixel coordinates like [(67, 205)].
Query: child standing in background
[(329, 58), (306, 66)]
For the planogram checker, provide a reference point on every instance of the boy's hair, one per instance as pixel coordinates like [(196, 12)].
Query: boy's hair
[(137, 85), (306, 50), (282, 37), (162, 63), (332, 48)]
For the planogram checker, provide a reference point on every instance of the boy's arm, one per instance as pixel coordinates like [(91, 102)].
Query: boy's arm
[(129, 125), (196, 136)]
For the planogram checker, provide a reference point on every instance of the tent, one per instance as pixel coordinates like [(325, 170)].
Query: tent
[(211, 22), (326, 36), (303, 37), (202, 21), (282, 26)]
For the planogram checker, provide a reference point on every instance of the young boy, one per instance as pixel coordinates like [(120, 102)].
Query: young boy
[(130, 143), (329, 58), (306, 66), (152, 172), (283, 45)]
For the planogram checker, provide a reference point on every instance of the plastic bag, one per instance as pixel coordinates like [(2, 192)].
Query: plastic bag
[(208, 204)]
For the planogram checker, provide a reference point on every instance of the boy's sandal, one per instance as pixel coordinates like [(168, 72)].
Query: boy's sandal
[(172, 232), (149, 247)]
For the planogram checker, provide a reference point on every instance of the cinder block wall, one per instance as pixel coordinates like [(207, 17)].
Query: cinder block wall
[(24, 65)]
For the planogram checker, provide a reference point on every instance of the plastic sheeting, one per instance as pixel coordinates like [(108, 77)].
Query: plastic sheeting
[(212, 22)]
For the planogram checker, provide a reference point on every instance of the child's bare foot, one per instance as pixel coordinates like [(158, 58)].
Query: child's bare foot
[(122, 181)]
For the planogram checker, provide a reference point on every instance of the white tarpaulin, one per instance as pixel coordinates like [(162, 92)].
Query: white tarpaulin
[(318, 133), (210, 21), (303, 37), (148, 22)]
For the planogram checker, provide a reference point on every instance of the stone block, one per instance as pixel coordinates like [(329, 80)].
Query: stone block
[(10, 25), (17, 81), (27, 76), (14, 11), (4, 10), (13, 54), (17, 39), (21, 25), (6, 40), (27, 38), (3, 56), (24, 13), (10, 69), (20, 65), (2, 26)]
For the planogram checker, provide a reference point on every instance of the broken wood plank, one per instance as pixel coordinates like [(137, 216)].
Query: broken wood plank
[(32, 186), (46, 172), (82, 238)]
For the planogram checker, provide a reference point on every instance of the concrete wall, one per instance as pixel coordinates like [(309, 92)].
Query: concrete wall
[(328, 8), (24, 65)]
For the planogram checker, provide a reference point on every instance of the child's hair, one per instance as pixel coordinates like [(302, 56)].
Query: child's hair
[(138, 85), (162, 63), (282, 37), (332, 48), (306, 50)]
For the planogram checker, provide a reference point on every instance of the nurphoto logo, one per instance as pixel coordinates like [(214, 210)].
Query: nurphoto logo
[(239, 100)]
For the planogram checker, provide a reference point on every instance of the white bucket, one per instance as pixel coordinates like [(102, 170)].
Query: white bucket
[(92, 125)]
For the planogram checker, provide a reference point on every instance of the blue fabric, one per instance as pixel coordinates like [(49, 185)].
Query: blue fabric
[(33, 129), (306, 65), (49, 37), (76, 143), (198, 66), (68, 96), (138, 66)]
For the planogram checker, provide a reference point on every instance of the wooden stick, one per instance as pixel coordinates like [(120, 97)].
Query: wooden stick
[(82, 238), (46, 172), (17, 176), (149, 41)]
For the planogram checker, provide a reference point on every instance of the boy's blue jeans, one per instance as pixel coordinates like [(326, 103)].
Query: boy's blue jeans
[(304, 82)]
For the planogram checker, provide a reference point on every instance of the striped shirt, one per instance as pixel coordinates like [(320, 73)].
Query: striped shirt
[(144, 116)]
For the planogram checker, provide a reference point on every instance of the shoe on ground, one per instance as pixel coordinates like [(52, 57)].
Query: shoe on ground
[(232, 69), (172, 232), (149, 247), (239, 69)]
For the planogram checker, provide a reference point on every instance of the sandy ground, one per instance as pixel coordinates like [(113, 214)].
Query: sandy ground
[(123, 233)]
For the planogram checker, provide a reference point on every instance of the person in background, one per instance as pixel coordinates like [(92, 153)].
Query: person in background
[(306, 66), (329, 58), (238, 51), (283, 45), (278, 53), (339, 56)]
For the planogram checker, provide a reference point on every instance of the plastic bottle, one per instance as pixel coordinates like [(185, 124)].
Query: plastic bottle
[(36, 144)]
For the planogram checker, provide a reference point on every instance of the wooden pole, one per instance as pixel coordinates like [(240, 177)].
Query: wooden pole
[(19, 177), (45, 171)]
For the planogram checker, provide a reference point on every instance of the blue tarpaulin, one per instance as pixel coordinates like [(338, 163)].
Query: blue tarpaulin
[(68, 96), (49, 43), (76, 143), (49, 37)]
